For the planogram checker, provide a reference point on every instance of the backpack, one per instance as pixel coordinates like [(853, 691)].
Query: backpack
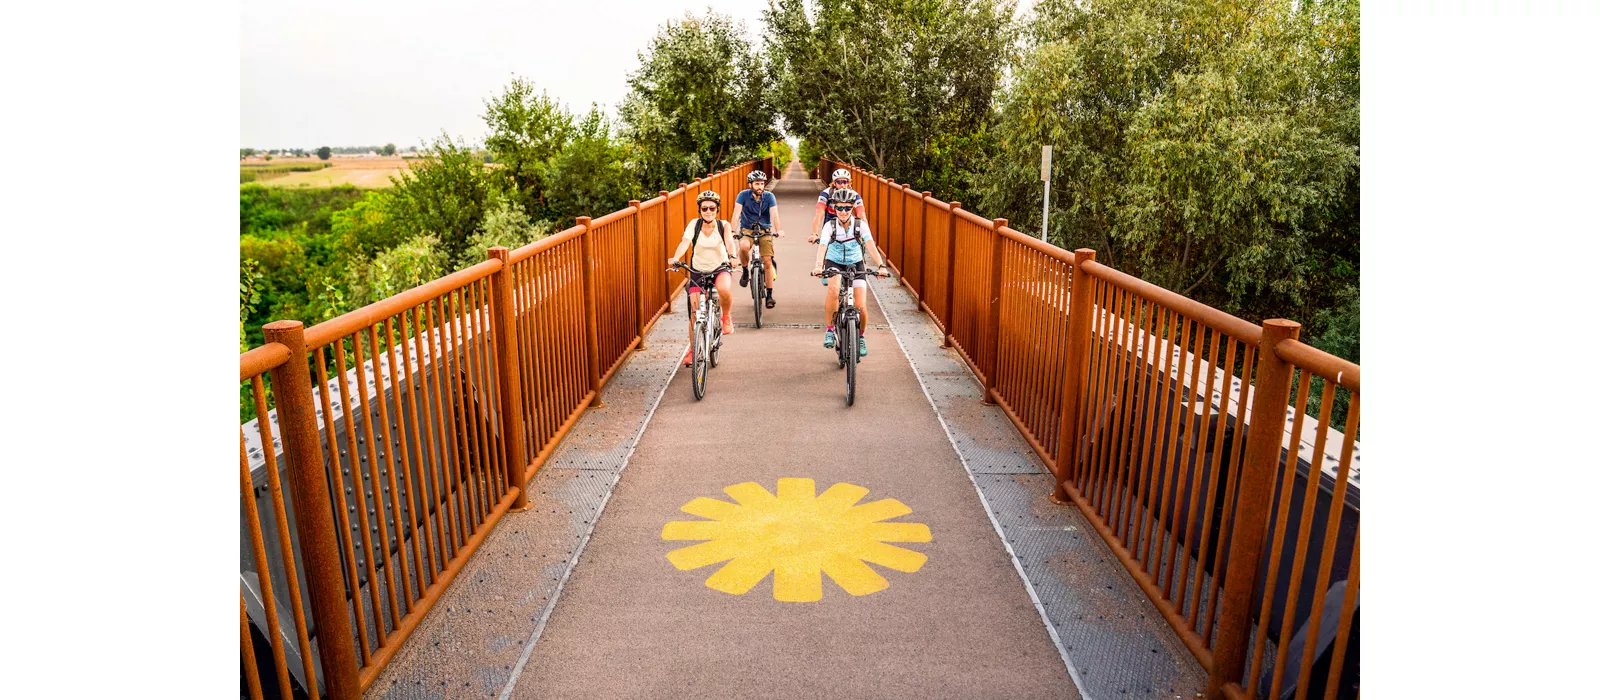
[(855, 230)]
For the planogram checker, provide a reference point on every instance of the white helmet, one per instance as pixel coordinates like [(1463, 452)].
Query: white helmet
[(841, 174)]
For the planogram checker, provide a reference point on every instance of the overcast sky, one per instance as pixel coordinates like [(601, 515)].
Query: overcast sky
[(357, 72)]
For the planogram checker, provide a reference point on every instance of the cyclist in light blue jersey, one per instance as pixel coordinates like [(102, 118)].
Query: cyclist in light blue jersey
[(845, 241)]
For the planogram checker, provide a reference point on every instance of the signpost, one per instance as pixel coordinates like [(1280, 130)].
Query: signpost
[(1044, 174)]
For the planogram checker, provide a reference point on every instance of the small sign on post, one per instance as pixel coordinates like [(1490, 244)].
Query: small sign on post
[(1044, 174)]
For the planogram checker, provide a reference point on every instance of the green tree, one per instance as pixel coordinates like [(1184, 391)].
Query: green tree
[(898, 87), (506, 224), (324, 153), (445, 194), (246, 153), (698, 101), (387, 150), (588, 177), (526, 132), (1211, 150)]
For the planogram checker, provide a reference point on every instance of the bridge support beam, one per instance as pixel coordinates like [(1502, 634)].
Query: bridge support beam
[(313, 512)]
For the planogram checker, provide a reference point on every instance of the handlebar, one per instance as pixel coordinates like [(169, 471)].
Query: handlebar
[(852, 274)]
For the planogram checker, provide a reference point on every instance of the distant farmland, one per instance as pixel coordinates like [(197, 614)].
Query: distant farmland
[(368, 173)]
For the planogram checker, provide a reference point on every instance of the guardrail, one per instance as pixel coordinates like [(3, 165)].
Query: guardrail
[(1164, 421), (362, 496)]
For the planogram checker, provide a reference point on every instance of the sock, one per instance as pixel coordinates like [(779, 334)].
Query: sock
[(830, 328)]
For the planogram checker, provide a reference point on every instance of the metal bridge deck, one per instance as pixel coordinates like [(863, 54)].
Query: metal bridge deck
[(1016, 597)]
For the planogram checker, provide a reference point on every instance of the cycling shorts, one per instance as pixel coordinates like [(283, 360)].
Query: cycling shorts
[(706, 280), (857, 266), (765, 245)]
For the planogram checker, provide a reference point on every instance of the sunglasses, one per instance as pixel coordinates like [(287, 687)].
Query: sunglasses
[(708, 208), (844, 207), (841, 182)]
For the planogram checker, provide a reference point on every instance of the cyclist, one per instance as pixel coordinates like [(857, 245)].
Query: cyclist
[(844, 239), (710, 263), (841, 181), (757, 206)]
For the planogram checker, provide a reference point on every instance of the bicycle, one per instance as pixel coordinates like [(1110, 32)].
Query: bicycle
[(706, 339), (847, 319), (758, 273)]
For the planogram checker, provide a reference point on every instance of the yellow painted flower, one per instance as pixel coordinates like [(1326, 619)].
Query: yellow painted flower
[(800, 536)]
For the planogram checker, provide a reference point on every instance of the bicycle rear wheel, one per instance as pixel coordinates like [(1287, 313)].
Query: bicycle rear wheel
[(758, 287), (697, 373), (850, 362)]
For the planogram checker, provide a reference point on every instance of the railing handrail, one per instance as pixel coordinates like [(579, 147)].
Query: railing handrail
[(470, 346), (1146, 361)]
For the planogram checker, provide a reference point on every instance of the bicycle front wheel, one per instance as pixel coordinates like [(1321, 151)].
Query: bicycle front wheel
[(850, 362), (697, 373)]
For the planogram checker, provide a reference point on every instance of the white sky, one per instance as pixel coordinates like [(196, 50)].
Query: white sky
[(357, 72)]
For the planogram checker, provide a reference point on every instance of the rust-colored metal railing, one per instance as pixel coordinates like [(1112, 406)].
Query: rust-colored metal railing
[(1164, 421), (363, 494)]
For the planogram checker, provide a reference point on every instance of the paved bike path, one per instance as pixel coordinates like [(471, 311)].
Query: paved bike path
[(938, 610)]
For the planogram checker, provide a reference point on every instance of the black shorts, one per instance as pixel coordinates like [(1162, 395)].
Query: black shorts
[(857, 266), (706, 280)]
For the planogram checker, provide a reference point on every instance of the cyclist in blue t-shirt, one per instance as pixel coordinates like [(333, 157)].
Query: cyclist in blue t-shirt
[(756, 211), (844, 241)]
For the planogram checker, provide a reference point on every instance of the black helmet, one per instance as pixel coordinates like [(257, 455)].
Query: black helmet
[(755, 175)]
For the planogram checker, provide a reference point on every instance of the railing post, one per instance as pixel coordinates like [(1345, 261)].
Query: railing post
[(590, 312), (509, 371), (1080, 312), (887, 218), (1262, 453), (996, 309), (950, 284), (666, 244), (922, 260), (640, 317), (313, 512), (900, 238)]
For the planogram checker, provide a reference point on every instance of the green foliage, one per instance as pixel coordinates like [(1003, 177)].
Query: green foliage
[(506, 224), (526, 132), (444, 195), (1208, 147), (781, 154), (324, 153), (698, 102), (588, 176), (246, 153), (810, 154), (387, 150), (894, 86)]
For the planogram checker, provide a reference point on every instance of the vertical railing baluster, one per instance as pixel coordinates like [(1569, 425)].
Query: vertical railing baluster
[(638, 275)]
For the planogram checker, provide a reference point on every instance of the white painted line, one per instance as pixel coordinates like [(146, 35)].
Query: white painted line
[(544, 617)]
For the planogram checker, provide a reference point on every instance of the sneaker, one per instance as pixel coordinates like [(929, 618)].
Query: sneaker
[(828, 338), (861, 346), (727, 325), (688, 357), (744, 276)]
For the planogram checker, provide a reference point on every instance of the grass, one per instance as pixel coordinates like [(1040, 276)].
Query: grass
[(366, 173)]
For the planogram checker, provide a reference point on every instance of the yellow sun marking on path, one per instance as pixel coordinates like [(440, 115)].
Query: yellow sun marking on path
[(800, 536)]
